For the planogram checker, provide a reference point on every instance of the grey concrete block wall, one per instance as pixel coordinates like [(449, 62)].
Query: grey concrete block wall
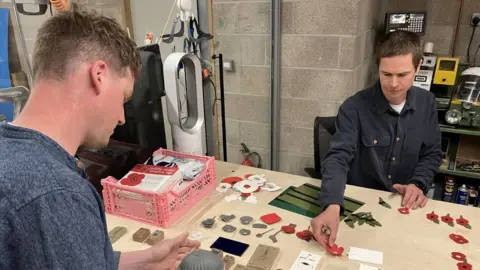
[(326, 57)]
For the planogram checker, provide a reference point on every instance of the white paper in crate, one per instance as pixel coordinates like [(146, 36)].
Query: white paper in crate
[(152, 178)]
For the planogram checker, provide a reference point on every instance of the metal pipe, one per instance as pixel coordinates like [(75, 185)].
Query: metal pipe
[(23, 44), (222, 102), (203, 10), (275, 85)]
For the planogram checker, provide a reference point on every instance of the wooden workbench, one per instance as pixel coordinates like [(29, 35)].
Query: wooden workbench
[(407, 241)]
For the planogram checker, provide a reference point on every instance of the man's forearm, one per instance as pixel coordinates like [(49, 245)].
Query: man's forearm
[(134, 260)]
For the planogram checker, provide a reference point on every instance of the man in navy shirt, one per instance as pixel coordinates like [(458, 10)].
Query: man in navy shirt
[(84, 69), (387, 136)]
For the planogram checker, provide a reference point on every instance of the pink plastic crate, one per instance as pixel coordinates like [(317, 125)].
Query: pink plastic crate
[(161, 209)]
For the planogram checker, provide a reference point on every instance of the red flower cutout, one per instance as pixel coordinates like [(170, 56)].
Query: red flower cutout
[(463, 222), (133, 179), (335, 250), (448, 219), (288, 229), (458, 238), (305, 235), (458, 256), (433, 217), (464, 266), (404, 210)]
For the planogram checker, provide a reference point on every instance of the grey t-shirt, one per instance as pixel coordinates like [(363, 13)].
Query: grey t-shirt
[(51, 217)]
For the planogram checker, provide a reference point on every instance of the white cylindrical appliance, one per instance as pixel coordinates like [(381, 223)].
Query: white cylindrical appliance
[(183, 70)]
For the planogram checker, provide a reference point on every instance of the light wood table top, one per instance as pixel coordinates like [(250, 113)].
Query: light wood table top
[(407, 241)]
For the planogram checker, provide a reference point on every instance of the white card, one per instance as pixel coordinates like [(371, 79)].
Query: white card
[(231, 198), (306, 261), (368, 267), (365, 255)]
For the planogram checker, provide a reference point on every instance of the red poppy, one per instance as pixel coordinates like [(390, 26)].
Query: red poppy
[(133, 179), (463, 222), (245, 195), (458, 238), (458, 256), (464, 266), (335, 250), (433, 217), (404, 210), (288, 229), (448, 219), (232, 180), (305, 235)]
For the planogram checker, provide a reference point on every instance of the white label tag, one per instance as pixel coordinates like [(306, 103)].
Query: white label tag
[(366, 255), (306, 261)]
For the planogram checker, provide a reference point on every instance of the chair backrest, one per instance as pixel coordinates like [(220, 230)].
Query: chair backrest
[(323, 129)]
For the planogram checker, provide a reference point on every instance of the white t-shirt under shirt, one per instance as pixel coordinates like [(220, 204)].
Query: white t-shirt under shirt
[(398, 108)]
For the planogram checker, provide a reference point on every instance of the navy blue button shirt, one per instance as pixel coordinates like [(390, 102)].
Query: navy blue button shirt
[(376, 147), (51, 217)]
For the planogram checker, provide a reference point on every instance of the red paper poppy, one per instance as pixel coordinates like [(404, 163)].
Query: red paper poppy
[(447, 219), (305, 235), (462, 221), (232, 180), (433, 217), (245, 195), (404, 210), (335, 250), (133, 179), (464, 266), (458, 256), (458, 238), (288, 229)]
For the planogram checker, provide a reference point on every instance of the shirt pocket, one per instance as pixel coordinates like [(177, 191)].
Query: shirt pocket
[(376, 146)]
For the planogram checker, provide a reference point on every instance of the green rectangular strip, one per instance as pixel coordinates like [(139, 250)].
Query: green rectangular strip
[(303, 200)]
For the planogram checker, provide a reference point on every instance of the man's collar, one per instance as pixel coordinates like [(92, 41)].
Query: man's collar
[(382, 104)]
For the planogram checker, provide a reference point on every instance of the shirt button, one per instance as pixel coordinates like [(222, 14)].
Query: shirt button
[(389, 176), (398, 139), (393, 158), (374, 141)]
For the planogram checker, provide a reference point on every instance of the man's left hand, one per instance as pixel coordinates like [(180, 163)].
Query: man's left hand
[(413, 197)]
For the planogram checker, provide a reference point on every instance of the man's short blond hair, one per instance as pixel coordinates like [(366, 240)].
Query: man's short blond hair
[(70, 38)]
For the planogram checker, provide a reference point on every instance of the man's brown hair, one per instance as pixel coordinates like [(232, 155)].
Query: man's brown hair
[(400, 43), (71, 37)]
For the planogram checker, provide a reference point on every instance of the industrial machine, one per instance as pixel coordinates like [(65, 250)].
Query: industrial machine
[(464, 107), (424, 76), (446, 71), (408, 21)]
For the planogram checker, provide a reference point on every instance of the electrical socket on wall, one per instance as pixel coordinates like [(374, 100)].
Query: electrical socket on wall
[(475, 15)]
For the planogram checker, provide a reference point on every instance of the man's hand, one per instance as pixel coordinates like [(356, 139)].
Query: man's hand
[(329, 218), (169, 253), (413, 197), (165, 255)]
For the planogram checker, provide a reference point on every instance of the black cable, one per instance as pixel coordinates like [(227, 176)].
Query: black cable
[(470, 44), (475, 57)]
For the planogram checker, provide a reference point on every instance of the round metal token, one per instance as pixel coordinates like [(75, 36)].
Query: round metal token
[(245, 220), (244, 232), (229, 228), (227, 218), (208, 223)]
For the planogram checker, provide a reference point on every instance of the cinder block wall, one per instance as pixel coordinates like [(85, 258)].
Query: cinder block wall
[(326, 57), (441, 24)]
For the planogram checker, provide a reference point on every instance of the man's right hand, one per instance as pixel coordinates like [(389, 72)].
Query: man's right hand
[(331, 218)]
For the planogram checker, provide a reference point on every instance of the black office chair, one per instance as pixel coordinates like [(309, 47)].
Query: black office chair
[(320, 143)]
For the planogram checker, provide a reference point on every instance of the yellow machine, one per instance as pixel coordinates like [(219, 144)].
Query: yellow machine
[(446, 71)]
